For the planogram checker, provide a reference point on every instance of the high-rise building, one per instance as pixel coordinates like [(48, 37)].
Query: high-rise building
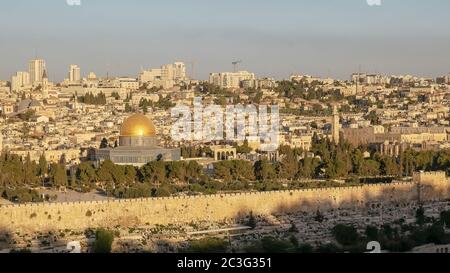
[(443, 80), (231, 80), (36, 69), (20, 80), (74, 73), (166, 76), (150, 75), (180, 71)]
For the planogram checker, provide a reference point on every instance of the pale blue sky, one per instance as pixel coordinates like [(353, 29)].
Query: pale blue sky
[(272, 37)]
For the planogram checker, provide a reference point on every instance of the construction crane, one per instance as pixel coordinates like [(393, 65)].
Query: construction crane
[(235, 64)]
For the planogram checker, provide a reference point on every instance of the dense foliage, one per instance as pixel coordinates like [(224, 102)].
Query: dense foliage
[(89, 98), (19, 177), (103, 241)]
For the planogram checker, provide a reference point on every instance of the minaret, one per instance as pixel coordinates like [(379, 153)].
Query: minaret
[(336, 124)]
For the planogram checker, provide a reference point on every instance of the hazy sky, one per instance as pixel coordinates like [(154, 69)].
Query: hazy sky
[(272, 37)]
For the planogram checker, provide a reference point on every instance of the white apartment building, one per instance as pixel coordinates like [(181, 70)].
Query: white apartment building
[(74, 73), (370, 79), (443, 80), (175, 71), (167, 76), (128, 83), (231, 79), (310, 79), (265, 83), (36, 70), (150, 75), (19, 81)]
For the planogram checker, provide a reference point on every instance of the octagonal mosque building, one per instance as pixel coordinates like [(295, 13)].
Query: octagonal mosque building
[(138, 144)]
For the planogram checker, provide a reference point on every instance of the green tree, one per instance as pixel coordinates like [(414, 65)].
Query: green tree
[(104, 143), (420, 216), (58, 175), (445, 218), (374, 118), (264, 170), (372, 233), (369, 167), (408, 162), (86, 175), (251, 221), (30, 171), (308, 167), (194, 170), (103, 241), (436, 234), (272, 245), (389, 166), (105, 172), (128, 108), (208, 245), (345, 235), (130, 174), (42, 167), (289, 166), (234, 170), (244, 148), (164, 190), (154, 172)]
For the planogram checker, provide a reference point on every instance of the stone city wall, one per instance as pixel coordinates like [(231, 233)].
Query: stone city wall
[(215, 208)]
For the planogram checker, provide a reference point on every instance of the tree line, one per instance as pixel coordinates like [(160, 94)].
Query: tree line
[(19, 176), (89, 98), (333, 161), (155, 179), (307, 91), (196, 151)]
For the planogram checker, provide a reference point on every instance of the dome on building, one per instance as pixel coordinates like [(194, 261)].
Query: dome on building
[(138, 145), (138, 125)]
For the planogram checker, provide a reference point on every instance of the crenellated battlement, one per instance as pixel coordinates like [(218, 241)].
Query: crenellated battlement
[(430, 177), (336, 190), (187, 209)]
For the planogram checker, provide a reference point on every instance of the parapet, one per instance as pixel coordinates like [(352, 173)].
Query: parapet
[(430, 178)]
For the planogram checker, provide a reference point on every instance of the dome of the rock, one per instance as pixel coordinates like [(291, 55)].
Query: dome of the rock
[(138, 125)]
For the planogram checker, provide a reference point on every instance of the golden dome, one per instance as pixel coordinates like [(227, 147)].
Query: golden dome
[(138, 125)]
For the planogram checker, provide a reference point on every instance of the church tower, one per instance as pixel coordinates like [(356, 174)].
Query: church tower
[(45, 85)]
